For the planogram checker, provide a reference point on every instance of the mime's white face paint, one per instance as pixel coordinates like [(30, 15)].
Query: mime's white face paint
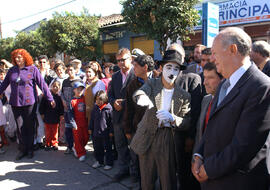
[(170, 72)]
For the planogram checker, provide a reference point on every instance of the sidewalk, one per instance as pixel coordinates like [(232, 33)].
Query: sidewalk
[(55, 170)]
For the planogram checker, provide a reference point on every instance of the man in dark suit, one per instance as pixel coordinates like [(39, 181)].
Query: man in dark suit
[(196, 67), (206, 58), (143, 67), (116, 95), (232, 152), (211, 81), (260, 54)]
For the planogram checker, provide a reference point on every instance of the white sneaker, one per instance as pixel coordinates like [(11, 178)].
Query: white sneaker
[(74, 152), (96, 165), (82, 158), (107, 167)]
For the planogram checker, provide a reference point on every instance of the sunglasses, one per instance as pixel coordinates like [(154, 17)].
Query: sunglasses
[(122, 60)]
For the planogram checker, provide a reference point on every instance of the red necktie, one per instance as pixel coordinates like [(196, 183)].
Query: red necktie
[(207, 115)]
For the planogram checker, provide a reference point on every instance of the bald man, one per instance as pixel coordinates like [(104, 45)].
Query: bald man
[(232, 152)]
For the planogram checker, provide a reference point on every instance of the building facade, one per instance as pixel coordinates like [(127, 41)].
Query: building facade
[(115, 35), (253, 16)]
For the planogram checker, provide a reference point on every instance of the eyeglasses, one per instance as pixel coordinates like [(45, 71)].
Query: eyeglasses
[(122, 60)]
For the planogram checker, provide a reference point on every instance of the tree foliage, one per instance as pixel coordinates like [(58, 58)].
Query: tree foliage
[(33, 43), (6, 47), (64, 33), (71, 34), (161, 19)]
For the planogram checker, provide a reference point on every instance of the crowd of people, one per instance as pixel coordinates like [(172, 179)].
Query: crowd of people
[(170, 124)]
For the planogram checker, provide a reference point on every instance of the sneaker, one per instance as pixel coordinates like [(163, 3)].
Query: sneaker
[(96, 165), (107, 167), (2, 151), (82, 158), (74, 152), (68, 151)]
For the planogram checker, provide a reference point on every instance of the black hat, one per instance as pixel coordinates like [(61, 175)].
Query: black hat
[(173, 56)]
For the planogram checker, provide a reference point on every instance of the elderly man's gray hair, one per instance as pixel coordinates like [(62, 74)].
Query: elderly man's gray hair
[(235, 35)]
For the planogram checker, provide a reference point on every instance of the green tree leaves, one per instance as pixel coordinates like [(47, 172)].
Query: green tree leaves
[(64, 33), (161, 19)]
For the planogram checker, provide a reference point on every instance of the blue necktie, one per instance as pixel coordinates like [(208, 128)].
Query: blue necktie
[(223, 90)]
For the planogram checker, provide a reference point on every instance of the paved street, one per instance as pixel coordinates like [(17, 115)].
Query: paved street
[(55, 170)]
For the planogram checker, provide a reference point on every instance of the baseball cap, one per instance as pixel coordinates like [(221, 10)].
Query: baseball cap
[(78, 84)]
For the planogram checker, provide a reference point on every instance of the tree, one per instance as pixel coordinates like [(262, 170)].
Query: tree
[(6, 47), (33, 43), (71, 34), (161, 19)]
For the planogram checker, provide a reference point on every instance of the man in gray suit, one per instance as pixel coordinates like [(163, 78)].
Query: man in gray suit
[(211, 81), (232, 152), (184, 140), (168, 110)]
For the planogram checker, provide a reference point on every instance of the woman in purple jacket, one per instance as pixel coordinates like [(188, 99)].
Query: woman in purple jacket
[(23, 78)]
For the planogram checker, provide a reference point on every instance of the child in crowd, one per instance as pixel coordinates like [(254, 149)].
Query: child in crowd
[(79, 121), (3, 121), (101, 129), (51, 116), (10, 128), (67, 95), (3, 140), (59, 69)]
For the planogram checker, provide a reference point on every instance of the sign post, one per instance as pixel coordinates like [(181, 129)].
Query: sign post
[(210, 24)]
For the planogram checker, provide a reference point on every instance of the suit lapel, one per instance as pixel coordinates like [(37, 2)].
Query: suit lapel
[(204, 110), (234, 91), (176, 103), (119, 78), (158, 93)]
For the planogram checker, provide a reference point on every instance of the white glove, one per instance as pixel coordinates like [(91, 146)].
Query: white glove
[(164, 115), (143, 100)]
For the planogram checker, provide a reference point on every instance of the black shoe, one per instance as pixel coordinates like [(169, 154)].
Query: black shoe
[(134, 179), (36, 147), (47, 148), (40, 145), (120, 175), (55, 148), (13, 139), (30, 155), (20, 155)]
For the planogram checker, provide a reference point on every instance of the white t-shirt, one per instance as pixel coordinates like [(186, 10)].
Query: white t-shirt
[(166, 102), (166, 98)]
